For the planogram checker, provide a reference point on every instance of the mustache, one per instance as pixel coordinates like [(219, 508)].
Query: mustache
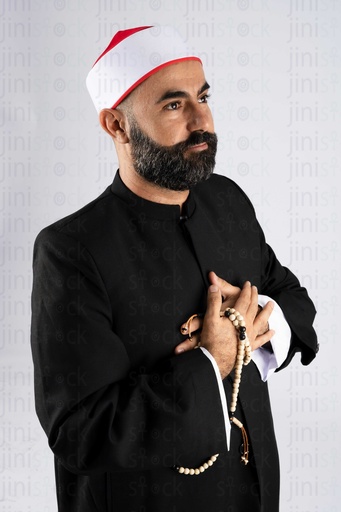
[(194, 139)]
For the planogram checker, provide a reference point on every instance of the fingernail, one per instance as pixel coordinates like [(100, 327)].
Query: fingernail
[(213, 288)]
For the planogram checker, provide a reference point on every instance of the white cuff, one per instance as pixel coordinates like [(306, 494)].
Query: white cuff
[(223, 398), (266, 361)]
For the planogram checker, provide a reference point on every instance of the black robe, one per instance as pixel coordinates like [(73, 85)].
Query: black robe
[(112, 285)]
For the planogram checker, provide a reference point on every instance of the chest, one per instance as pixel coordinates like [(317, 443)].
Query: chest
[(156, 276)]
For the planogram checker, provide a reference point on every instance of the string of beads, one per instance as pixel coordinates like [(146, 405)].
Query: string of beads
[(200, 469), (243, 358), (243, 352)]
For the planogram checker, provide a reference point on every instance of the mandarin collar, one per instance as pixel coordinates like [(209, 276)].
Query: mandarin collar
[(149, 208)]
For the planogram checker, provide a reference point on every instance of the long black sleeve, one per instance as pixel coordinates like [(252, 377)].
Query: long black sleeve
[(98, 413)]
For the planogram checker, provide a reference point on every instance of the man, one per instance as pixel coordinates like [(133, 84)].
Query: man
[(125, 288)]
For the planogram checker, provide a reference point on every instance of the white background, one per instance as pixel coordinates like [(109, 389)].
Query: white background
[(274, 68)]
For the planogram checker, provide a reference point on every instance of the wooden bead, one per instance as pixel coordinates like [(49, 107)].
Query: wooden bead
[(200, 469)]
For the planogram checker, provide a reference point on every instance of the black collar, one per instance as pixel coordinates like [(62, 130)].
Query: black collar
[(149, 208)]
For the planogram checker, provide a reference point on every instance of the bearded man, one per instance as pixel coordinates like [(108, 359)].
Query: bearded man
[(126, 287)]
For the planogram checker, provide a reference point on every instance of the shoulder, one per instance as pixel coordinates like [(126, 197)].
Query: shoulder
[(74, 241), (92, 210), (84, 225)]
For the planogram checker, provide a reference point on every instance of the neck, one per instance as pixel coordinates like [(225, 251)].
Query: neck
[(149, 191)]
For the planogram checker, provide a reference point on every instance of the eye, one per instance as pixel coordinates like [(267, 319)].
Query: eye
[(172, 106), (204, 98)]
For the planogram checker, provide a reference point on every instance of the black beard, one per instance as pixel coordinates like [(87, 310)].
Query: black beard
[(166, 166)]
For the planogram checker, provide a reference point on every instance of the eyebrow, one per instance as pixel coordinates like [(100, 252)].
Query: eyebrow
[(168, 95)]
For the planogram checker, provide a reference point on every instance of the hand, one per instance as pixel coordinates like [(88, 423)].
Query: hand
[(229, 295), (218, 335)]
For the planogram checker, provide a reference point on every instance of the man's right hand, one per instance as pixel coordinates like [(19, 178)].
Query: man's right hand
[(218, 334)]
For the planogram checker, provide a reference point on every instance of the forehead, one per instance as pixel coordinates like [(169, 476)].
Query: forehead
[(187, 76)]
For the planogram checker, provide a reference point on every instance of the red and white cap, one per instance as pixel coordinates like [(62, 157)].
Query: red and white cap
[(131, 57)]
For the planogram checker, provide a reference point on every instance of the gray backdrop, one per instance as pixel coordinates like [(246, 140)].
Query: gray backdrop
[(274, 68)]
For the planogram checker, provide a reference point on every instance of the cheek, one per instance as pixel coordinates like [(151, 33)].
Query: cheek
[(168, 134)]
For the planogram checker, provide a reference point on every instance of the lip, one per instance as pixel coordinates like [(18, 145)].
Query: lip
[(198, 147)]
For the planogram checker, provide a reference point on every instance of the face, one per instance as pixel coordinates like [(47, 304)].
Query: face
[(170, 128)]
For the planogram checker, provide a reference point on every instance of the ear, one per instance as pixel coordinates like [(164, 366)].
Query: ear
[(114, 123)]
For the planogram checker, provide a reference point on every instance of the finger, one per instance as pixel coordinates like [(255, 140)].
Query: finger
[(267, 310), (262, 318), (263, 339), (229, 302), (228, 291), (196, 324), (253, 307), (188, 344), (243, 302), (213, 302)]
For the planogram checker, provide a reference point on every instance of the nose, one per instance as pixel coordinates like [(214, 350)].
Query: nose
[(200, 118)]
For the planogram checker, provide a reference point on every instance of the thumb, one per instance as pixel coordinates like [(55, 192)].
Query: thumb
[(213, 300), (227, 289)]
